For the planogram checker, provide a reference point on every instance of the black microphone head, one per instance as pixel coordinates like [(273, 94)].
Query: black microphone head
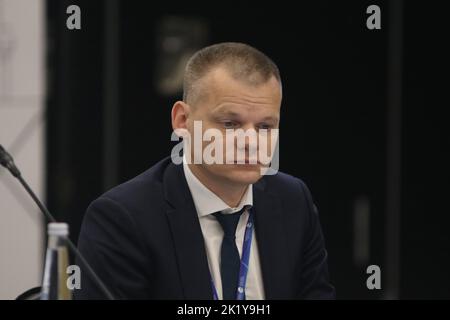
[(2, 156), (7, 161)]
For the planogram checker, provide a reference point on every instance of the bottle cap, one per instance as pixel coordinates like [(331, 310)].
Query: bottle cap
[(58, 229)]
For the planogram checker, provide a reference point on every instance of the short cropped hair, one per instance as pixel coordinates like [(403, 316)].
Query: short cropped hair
[(241, 60)]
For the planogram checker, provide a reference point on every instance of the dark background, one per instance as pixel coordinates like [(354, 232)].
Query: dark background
[(363, 119)]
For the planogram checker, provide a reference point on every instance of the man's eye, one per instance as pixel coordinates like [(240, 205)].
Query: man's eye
[(265, 126), (229, 124)]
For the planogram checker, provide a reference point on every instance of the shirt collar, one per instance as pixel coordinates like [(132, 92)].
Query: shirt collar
[(207, 202)]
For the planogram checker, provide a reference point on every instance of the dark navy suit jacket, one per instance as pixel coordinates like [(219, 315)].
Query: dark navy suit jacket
[(143, 239)]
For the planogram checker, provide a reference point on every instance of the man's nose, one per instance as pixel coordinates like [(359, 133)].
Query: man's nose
[(251, 137)]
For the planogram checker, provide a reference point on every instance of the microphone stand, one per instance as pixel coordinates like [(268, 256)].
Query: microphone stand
[(7, 161)]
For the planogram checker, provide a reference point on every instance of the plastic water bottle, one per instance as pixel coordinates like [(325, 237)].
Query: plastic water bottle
[(54, 283)]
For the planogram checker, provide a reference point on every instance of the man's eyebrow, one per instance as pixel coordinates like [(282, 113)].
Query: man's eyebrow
[(226, 110), (228, 113), (271, 118)]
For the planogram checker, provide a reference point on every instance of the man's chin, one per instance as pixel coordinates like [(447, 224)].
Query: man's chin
[(245, 174)]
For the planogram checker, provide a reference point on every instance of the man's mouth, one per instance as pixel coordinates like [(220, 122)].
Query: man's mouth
[(247, 162)]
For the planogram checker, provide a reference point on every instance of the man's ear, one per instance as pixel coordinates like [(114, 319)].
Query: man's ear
[(180, 114)]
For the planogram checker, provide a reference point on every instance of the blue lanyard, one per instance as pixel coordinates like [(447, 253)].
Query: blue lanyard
[(243, 269)]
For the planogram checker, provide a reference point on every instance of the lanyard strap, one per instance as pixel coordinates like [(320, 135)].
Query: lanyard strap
[(243, 269)]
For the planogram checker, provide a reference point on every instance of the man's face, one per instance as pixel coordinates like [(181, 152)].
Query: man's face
[(227, 103)]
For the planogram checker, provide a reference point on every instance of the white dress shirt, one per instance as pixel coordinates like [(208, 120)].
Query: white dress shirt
[(206, 203)]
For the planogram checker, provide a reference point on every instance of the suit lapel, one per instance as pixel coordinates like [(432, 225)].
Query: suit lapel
[(272, 243), (187, 236)]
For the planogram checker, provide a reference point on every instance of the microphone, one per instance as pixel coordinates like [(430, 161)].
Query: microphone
[(7, 161)]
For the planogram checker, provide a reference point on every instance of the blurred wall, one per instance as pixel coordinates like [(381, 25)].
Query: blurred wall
[(22, 89)]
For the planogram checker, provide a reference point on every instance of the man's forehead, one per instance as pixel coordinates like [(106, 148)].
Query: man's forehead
[(222, 75), (220, 86), (236, 109)]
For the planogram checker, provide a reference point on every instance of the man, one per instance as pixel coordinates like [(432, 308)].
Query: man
[(201, 230)]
